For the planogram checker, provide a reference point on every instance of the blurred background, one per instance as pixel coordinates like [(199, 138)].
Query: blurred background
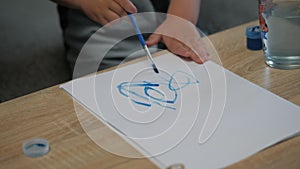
[(31, 46)]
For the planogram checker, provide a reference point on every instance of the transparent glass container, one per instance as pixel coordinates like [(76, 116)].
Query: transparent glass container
[(280, 30)]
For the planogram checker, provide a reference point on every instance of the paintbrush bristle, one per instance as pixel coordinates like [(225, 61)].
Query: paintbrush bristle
[(155, 69)]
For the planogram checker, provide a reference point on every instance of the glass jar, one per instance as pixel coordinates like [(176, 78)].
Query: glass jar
[(280, 30)]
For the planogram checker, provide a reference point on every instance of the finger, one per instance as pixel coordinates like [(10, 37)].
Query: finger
[(115, 7), (98, 18), (178, 49), (103, 21), (153, 39), (127, 5), (196, 58), (111, 16), (184, 52), (200, 50)]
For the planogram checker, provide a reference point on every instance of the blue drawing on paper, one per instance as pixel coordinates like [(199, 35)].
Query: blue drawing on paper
[(163, 92)]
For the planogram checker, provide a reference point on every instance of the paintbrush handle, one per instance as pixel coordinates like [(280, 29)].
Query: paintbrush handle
[(137, 30)]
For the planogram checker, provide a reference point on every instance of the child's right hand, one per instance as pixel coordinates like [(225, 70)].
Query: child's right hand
[(105, 11)]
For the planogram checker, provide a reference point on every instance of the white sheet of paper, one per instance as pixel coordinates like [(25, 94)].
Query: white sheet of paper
[(203, 116)]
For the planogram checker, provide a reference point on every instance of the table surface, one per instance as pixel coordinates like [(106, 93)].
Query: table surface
[(50, 114)]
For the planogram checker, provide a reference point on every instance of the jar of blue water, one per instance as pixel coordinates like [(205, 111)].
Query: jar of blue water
[(280, 30)]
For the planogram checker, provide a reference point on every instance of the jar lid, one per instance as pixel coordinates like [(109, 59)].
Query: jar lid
[(254, 41), (253, 32)]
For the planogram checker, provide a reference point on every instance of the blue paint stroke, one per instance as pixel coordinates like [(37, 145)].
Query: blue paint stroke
[(152, 91)]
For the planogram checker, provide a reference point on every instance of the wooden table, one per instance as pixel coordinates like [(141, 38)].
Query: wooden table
[(50, 114)]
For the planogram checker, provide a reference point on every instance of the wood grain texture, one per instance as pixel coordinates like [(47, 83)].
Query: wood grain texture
[(51, 114)]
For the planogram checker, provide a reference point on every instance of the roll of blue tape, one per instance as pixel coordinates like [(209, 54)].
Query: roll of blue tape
[(35, 147), (254, 41)]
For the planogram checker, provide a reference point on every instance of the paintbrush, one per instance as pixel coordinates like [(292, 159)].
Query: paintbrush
[(142, 41)]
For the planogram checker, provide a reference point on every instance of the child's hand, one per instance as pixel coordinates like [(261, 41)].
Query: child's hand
[(105, 11), (181, 38)]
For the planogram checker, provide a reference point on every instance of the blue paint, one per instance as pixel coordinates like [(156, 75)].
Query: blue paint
[(152, 93), (36, 145)]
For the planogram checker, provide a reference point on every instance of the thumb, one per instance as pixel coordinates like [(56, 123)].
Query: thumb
[(153, 39)]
